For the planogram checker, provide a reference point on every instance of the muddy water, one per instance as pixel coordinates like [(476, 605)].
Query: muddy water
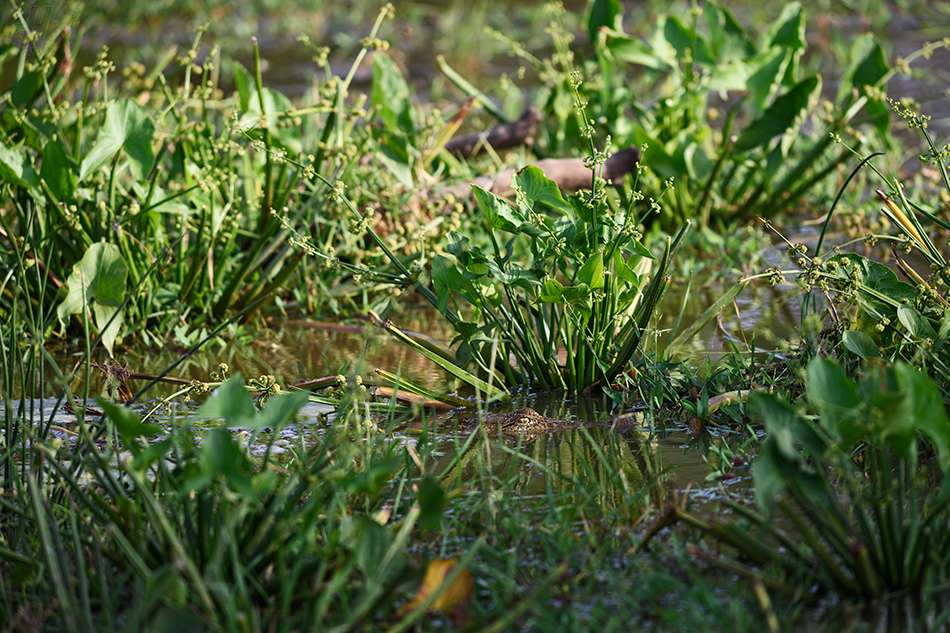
[(293, 351)]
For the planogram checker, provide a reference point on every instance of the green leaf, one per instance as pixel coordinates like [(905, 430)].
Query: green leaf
[(371, 480), (788, 32), (681, 38), (551, 292), (394, 155), (15, 170), (432, 501), (604, 13), (127, 127), (916, 323), (279, 410), (390, 95), (868, 67), (860, 344), (275, 104), (698, 163), (26, 89), (927, 411), (445, 278), (516, 275), (230, 402), (766, 76), (780, 457), (98, 282), (577, 295), (879, 287), (783, 115), (221, 456), (127, 422), (727, 39), (497, 212), (58, 170), (592, 272), (245, 86), (635, 51), (539, 188), (836, 398)]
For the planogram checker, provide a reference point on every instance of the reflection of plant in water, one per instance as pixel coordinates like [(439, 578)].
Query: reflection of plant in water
[(600, 466)]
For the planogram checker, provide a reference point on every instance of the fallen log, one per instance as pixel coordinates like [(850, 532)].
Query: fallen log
[(570, 174)]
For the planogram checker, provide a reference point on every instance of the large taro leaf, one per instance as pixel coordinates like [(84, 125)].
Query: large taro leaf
[(836, 397), (880, 287), (786, 113), (926, 412), (127, 127), (788, 32), (445, 278), (868, 67), (98, 284)]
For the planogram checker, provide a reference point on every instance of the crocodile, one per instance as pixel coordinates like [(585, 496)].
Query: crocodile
[(528, 423)]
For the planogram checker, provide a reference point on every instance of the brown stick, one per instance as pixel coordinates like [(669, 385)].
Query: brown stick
[(520, 132)]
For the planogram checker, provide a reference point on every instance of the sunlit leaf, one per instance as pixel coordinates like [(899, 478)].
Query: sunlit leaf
[(231, 402), (498, 213), (868, 67), (592, 272), (552, 292), (539, 188), (127, 127), (127, 422), (727, 39), (604, 14), (916, 323), (57, 170), (98, 282), (445, 279)]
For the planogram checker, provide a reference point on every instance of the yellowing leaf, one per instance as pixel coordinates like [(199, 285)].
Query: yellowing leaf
[(437, 571)]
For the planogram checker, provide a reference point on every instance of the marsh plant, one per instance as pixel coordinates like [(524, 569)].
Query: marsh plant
[(844, 502), (563, 286), (880, 315), (669, 91), (156, 204)]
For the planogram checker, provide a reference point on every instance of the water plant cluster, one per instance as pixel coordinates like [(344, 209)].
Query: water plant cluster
[(178, 201)]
